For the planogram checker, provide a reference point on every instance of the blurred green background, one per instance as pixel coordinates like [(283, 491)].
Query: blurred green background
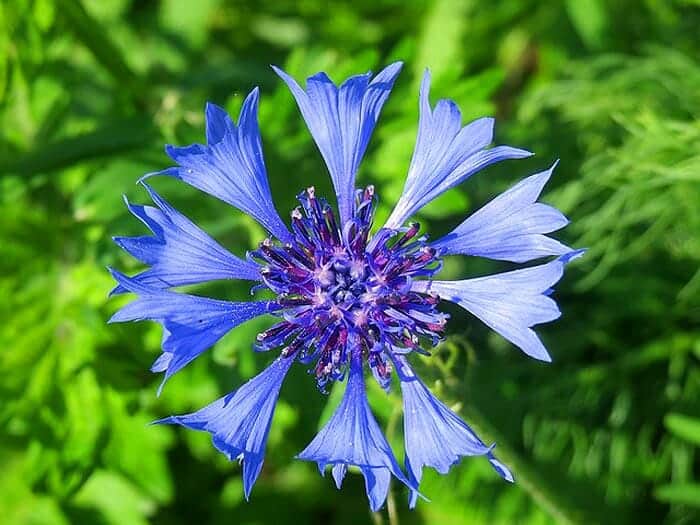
[(90, 90)]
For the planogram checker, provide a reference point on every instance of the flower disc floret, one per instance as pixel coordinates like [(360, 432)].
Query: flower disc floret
[(337, 284)]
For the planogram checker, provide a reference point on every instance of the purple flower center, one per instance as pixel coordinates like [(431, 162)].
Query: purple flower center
[(342, 291)]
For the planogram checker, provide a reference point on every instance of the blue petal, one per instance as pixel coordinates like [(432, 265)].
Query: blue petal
[(191, 324), (445, 154), (218, 123), (509, 303), (435, 436), (353, 437), (511, 227), (377, 482), (502, 470), (179, 252), (240, 422), (231, 166), (341, 121), (339, 470)]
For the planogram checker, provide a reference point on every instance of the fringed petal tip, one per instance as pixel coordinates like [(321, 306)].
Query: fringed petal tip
[(230, 166), (352, 437), (501, 469), (413, 496), (572, 255), (510, 303), (435, 436), (341, 119), (511, 227), (446, 154), (131, 284), (167, 172), (377, 482), (339, 471), (218, 123), (252, 466), (541, 355), (170, 420), (119, 288), (239, 422)]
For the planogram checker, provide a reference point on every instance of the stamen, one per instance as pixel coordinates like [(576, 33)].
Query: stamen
[(336, 287)]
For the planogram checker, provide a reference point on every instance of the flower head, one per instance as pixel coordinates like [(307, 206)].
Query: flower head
[(348, 299)]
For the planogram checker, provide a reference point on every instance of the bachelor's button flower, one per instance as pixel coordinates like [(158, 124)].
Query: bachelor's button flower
[(348, 300)]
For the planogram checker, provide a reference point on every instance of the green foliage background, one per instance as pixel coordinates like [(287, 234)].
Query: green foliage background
[(90, 90)]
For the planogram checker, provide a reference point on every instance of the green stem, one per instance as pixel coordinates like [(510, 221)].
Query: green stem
[(391, 509), (527, 476), (376, 518), (390, 429)]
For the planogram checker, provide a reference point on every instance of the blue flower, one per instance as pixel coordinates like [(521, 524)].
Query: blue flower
[(511, 227), (191, 324), (348, 299), (446, 154), (352, 437), (436, 436), (179, 252), (239, 422), (341, 121)]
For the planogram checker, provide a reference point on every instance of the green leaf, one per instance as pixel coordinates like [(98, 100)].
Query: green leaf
[(679, 493), (117, 500), (83, 397), (137, 450), (590, 18), (448, 204), (44, 13), (110, 139), (685, 427), (96, 38), (440, 46)]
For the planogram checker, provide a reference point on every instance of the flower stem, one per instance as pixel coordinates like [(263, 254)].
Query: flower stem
[(391, 508)]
